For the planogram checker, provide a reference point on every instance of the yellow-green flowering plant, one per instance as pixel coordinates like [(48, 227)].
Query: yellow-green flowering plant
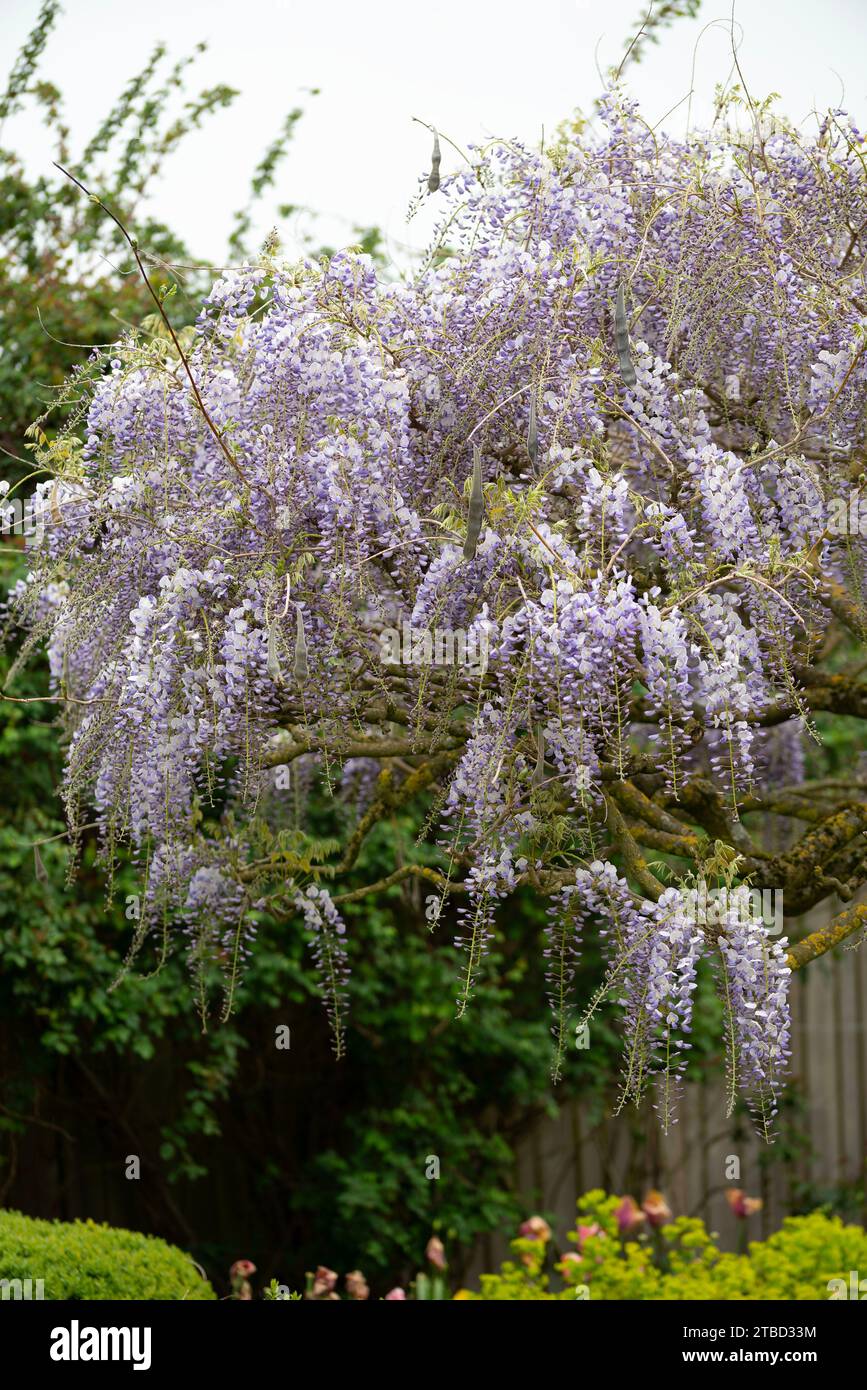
[(626, 1251)]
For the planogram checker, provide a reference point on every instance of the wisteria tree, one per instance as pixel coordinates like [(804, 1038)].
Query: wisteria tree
[(554, 545)]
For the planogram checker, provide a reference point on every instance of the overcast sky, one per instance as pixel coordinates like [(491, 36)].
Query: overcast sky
[(471, 67)]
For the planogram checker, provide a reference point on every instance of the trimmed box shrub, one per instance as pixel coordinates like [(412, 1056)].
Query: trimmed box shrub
[(81, 1259)]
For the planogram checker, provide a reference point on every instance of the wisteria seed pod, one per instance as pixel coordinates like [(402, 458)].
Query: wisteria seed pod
[(299, 669), (274, 670), (476, 511), (532, 431), (39, 868), (539, 769), (56, 513), (621, 338), (433, 182)]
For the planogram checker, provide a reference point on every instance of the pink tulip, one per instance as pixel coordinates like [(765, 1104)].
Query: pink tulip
[(741, 1205), (535, 1228), (395, 1295), (356, 1285), (239, 1279), (585, 1232), (629, 1216), (323, 1281), (656, 1209), (435, 1253)]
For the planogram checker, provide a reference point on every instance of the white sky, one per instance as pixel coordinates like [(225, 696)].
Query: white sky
[(471, 67)]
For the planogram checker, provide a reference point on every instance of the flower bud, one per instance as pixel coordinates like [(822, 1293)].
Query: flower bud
[(433, 182)]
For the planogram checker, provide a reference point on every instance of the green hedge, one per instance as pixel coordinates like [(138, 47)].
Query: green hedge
[(79, 1259)]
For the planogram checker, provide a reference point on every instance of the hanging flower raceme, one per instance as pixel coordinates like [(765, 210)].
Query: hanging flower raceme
[(327, 931), (562, 953), (653, 951), (754, 988)]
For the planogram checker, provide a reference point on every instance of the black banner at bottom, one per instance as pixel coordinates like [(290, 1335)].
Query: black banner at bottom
[(83, 1339)]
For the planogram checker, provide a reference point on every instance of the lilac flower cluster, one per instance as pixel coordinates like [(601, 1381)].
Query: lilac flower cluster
[(561, 953), (327, 930), (755, 991), (653, 952)]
